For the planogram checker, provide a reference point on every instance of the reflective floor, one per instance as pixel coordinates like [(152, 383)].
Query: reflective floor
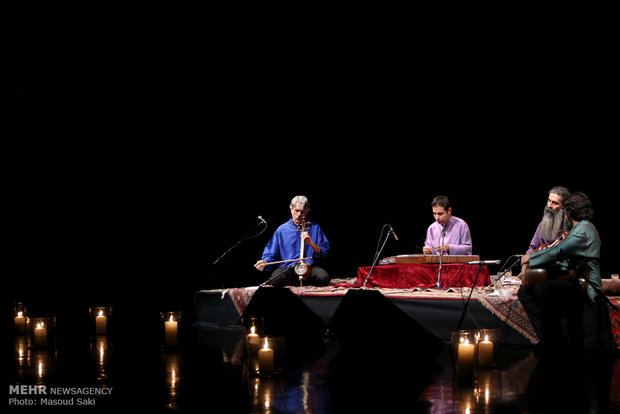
[(210, 373)]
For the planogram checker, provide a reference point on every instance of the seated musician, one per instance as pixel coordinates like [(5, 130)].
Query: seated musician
[(285, 245), (554, 220), (561, 295), (448, 234)]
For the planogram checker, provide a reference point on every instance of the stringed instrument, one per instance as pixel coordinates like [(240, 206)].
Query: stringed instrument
[(302, 268), (531, 276)]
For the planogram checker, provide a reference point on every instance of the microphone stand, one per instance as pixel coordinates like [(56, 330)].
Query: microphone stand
[(469, 297), (501, 275), (443, 235), (374, 262), (244, 238), (473, 286)]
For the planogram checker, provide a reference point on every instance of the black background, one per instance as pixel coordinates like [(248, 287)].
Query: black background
[(125, 191), (131, 165), (138, 151), (130, 192)]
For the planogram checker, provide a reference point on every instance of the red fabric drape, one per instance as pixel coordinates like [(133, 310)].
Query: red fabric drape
[(615, 321), (423, 275)]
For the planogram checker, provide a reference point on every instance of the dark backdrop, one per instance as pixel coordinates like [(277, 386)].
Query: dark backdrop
[(127, 193)]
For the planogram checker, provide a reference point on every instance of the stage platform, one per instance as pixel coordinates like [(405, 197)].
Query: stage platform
[(438, 310)]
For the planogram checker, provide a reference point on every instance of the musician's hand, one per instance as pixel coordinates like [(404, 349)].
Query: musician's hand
[(525, 259), (308, 240), (427, 250), (443, 248), (260, 265), (306, 237)]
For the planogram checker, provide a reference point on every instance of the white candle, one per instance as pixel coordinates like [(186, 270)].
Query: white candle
[(40, 335), (253, 341), (171, 332), (465, 358), (101, 323), (265, 358), (485, 353), (20, 323)]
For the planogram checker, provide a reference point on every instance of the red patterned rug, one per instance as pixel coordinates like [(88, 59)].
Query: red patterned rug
[(512, 312), (615, 320)]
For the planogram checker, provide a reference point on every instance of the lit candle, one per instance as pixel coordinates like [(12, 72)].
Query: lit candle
[(101, 323), (465, 358), (253, 341), (20, 323), (171, 331), (265, 358), (40, 335), (485, 352)]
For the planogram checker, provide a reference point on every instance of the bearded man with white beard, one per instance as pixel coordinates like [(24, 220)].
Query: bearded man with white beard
[(550, 228), (554, 220)]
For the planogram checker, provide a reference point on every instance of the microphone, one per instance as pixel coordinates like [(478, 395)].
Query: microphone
[(393, 232), (262, 219), (485, 262), (443, 237)]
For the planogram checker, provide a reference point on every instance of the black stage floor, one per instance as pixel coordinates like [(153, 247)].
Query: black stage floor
[(207, 372)]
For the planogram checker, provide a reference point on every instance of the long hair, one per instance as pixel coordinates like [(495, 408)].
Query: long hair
[(561, 191)]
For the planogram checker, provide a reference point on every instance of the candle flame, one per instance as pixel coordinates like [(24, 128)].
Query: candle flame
[(252, 330), (266, 345), (466, 341), (486, 337), (171, 318), (100, 313), (40, 325), (20, 313)]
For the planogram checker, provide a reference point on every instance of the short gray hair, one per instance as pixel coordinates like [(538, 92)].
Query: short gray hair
[(301, 199)]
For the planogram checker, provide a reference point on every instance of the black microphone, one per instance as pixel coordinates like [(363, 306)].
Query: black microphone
[(262, 219), (485, 262), (393, 232)]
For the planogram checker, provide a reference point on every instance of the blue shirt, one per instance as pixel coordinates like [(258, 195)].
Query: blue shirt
[(286, 243)]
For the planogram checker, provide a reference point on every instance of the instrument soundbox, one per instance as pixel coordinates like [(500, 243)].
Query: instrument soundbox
[(532, 276)]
